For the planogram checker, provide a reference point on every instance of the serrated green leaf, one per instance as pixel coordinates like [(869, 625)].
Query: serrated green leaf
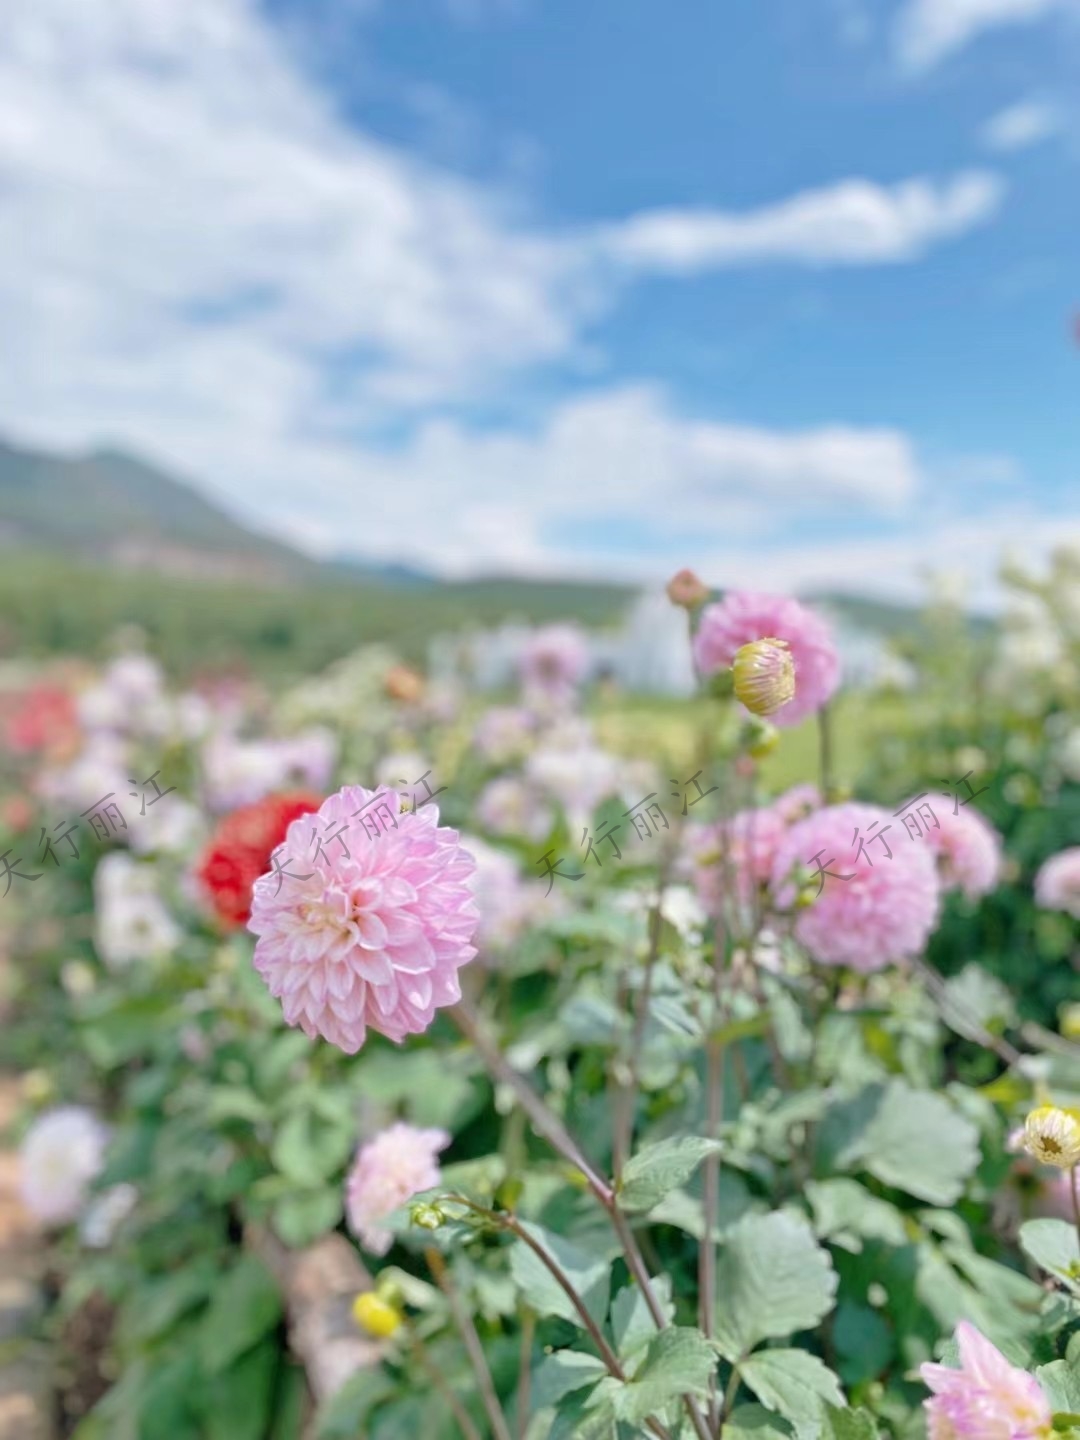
[(563, 1372), (679, 1361), (590, 1276), (847, 1424), (658, 1169), (846, 1214), (632, 1323), (1060, 1382), (918, 1142), (301, 1218), (793, 1382), (1054, 1246), (773, 1279)]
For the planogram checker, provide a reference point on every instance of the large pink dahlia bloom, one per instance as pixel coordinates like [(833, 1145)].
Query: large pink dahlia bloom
[(388, 1171), (745, 616), (886, 908), (365, 919), (987, 1398)]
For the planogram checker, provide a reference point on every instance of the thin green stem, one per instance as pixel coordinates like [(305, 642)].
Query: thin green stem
[(484, 1383)]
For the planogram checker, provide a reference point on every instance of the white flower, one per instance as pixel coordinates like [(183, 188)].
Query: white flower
[(240, 772), (61, 1155), (130, 921), (171, 826), (100, 769)]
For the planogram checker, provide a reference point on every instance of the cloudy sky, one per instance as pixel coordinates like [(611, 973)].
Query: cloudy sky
[(781, 290)]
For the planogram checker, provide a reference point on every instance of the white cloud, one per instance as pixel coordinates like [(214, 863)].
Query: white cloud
[(855, 222), (929, 30), (1021, 125)]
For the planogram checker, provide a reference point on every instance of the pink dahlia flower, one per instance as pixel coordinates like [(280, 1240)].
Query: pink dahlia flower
[(745, 616), (987, 1398), (967, 846), (365, 919), (1057, 885), (872, 910), (388, 1171)]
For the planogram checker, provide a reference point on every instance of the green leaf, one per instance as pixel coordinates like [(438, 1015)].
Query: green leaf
[(661, 1168), (1060, 1383), (793, 1382), (344, 1416), (1054, 1247), (586, 1416), (301, 1218), (563, 1372), (590, 1276), (846, 1214), (773, 1279), (309, 1148), (632, 1323), (239, 1399), (245, 1307), (754, 1422), (679, 1361), (847, 1424), (917, 1141)]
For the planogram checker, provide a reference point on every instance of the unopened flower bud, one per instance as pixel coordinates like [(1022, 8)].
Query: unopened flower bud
[(764, 675), (1070, 1021), (687, 591), (1052, 1135), (375, 1316), (427, 1217)]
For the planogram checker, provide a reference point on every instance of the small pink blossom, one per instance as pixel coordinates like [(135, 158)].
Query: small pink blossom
[(735, 856), (361, 929), (388, 1171), (987, 1398), (1057, 885), (554, 662), (967, 846), (883, 912), (745, 616), (796, 803)]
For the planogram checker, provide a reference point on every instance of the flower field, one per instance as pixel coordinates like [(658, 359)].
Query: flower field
[(401, 1060)]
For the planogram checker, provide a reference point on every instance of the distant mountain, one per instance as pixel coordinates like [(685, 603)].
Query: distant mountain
[(110, 508)]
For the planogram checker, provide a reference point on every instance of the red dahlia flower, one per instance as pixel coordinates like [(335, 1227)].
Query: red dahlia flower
[(239, 851)]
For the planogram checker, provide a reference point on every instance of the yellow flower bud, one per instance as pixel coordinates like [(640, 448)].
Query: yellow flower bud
[(1070, 1021), (375, 1316), (764, 675), (1052, 1135), (37, 1086)]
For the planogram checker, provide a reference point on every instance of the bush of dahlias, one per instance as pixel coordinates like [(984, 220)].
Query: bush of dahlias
[(433, 1066)]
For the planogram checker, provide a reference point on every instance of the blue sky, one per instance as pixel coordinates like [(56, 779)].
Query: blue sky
[(783, 291)]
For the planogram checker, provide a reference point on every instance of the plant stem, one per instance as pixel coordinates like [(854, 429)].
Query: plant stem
[(461, 1415), (555, 1133), (545, 1120), (825, 752), (935, 983), (484, 1383)]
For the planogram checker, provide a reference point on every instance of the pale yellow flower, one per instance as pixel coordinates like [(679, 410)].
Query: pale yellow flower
[(1052, 1135)]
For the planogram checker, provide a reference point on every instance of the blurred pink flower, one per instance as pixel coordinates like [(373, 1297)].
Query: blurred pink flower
[(744, 616), (1057, 885), (887, 908), (987, 1398), (554, 662), (388, 1171), (359, 929), (509, 806), (967, 846)]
